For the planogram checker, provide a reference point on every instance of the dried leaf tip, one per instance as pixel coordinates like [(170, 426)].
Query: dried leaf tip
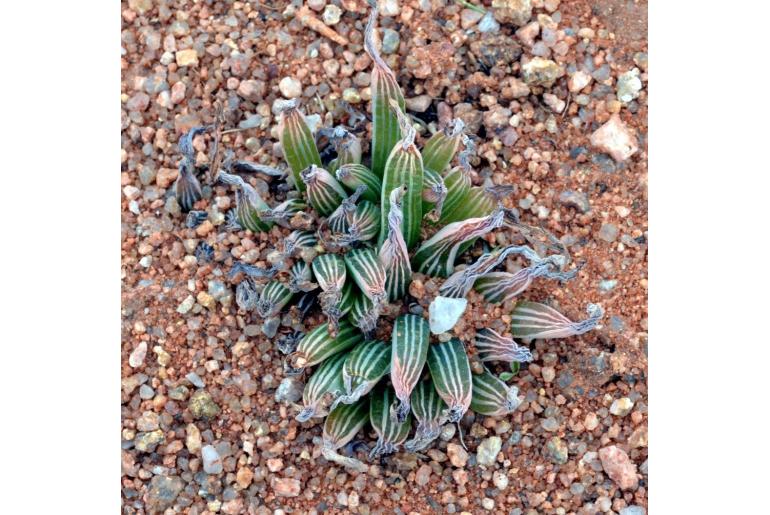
[(408, 132), (369, 44)]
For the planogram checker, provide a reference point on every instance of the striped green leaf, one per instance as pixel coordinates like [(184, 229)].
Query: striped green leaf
[(354, 175), (301, 278), (458, 183), (273, 298), (499, 287), (348, 148), (491, 346), (385, 89), (436, 256), (340, 427), (298, 240), (531, 320), (394, 254), (248, 204), (349, 295), (187, 188), (410, 342), (460, 283), (451, 374), (283, 212), (364, 314), (390, 433), (299, 148), (475, 203), (364, 367), (430, 412), (364, 223), (323, 387), (433, 195), (330, 272), (324, 193), (492, 397), (319, 345), (368, 272), (404, 168), (442, 146)]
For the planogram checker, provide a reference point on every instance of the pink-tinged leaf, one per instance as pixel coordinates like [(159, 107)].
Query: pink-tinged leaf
[(533, 320), (491, 346)]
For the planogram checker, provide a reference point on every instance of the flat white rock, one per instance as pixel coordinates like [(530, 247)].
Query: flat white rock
[(444, 313)]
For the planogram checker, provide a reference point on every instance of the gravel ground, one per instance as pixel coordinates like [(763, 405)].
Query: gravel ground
[(557, 95)]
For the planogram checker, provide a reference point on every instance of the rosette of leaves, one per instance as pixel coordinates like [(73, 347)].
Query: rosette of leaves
[(363, 224)]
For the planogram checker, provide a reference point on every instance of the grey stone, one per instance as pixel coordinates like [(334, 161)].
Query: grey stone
[(162, 492), (576, 199), (390, 41), (147, 442), (486, 454), (633, 510), (212, 462), (445, 312), (290, 390), (629, 85), (608, 232), (556, 449)]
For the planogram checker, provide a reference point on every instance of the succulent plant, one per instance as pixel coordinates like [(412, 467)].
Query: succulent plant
[(362, 226)]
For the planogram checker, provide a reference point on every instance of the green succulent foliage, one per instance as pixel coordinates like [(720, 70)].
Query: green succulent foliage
[(379, 218)]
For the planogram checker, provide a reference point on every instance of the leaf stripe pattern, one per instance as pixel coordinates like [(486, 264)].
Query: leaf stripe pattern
[(354, 175), (430, 412), (273, 298), (367, 271), (187, 188), (502, 286), (442, 146), (330, 272), (348, 148), (404, 168), (533, 320), (436, 256), (492, 397), (301, 278), (319, 345), (458, 184), (349, 295), (491, 346), (433, 195), (340, 427), (394, 254), (364, 314), (297, 241), (323, 386), (460, 283), (364, 223), (451, 373), (324, 193), (299, 148), (391, 434), (385, 128), (410, 339), (248, 203), (282, 213), (364, 367)]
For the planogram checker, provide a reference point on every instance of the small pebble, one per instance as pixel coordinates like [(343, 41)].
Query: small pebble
[(136, 359), (212, 463), (290, 87), (621, 407)]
